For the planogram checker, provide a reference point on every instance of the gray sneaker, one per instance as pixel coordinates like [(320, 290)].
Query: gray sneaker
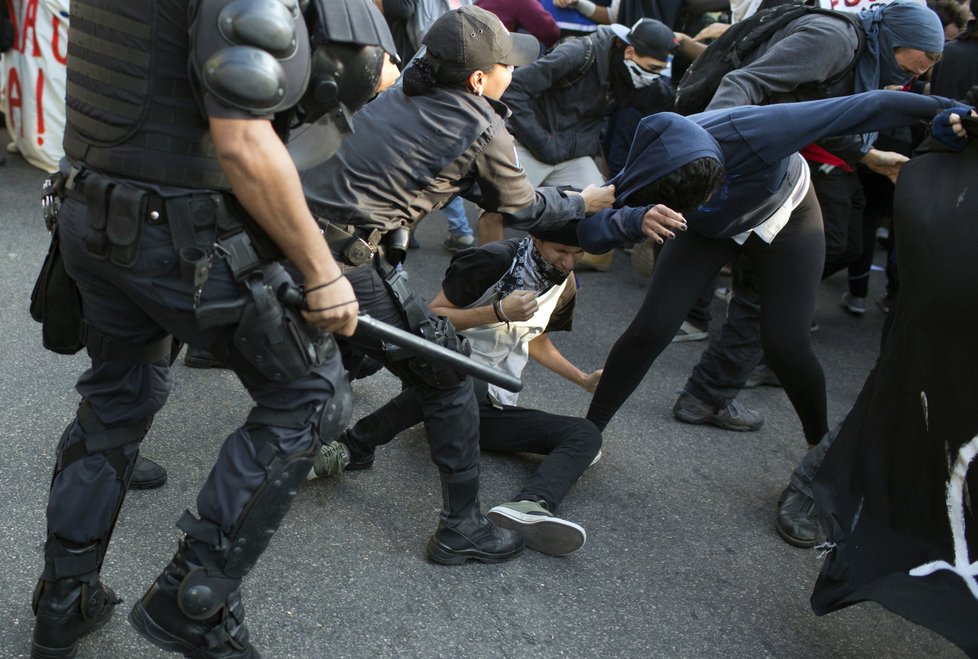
[(541, 531), (733, 416), (643, 257), (331, 460), (854, 304), (455, 242), (690, 332)]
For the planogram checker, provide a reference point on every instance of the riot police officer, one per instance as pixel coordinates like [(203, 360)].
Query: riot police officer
[(166, 233), (438, 135)]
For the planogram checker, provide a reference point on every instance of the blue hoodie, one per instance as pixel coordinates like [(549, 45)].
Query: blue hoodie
[(755, 145)]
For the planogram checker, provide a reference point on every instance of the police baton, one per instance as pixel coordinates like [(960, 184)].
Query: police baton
[(377, 329)]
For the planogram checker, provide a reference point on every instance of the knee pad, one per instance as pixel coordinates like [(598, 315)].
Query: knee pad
[(336, 414)]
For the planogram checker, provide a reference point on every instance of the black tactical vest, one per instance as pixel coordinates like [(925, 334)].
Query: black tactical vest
[(131, 110)]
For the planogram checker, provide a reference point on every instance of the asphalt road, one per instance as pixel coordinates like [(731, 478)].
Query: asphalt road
[(681, 561)]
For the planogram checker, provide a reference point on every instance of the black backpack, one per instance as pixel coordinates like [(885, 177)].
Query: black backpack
[(727, 53)]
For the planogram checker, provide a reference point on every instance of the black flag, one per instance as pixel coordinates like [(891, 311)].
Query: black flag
[(897, 492)]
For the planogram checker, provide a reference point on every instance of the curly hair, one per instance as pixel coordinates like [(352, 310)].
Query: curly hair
[(684, 188), (422, 75)]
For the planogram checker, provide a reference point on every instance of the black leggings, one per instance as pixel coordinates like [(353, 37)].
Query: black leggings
[(788, 272)]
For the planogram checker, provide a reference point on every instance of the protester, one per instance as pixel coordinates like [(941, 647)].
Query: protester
[(737, 177), (900, 40), (506, 298), (562, 101)]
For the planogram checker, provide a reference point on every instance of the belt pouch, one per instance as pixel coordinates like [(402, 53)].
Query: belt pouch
[(127, 208), (97, 190)]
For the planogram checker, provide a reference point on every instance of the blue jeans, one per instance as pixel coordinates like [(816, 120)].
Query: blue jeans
[(458, 222)]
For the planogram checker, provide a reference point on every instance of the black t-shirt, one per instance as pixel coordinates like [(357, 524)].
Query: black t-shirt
[(473, 271)]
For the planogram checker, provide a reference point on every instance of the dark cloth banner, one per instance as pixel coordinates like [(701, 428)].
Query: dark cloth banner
[(897, 492)]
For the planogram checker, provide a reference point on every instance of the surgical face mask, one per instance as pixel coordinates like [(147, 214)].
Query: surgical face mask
[(639, 76)]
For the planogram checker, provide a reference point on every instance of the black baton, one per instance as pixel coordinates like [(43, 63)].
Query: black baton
[(377, 329)]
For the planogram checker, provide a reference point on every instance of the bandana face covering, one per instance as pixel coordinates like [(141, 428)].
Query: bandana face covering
[(640, 77), (529, 272)]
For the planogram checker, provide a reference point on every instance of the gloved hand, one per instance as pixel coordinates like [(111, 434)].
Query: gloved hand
[(944, 131)]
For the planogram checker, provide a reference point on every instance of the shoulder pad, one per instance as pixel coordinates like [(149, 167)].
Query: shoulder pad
[(251, 54)]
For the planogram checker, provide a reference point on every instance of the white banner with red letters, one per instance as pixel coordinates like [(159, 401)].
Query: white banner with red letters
[(34, 79)]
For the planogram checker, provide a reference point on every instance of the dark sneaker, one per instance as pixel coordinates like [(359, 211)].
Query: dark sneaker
[(690, 332), (67, 610), (796, 522), (733, 416), (854, 304), (146, 475), (541, 531), (457, 242), (762, 376)]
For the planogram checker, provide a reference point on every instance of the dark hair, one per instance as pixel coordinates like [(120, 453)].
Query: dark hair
[(950, 12), (684, 188), (421, 76)]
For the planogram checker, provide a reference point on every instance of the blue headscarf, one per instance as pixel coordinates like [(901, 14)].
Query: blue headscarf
[(900, 24)]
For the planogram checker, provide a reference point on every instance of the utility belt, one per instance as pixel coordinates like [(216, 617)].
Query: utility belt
[(117, 212), (353, 246)]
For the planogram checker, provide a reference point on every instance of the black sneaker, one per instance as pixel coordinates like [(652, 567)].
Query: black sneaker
[(733, 416)]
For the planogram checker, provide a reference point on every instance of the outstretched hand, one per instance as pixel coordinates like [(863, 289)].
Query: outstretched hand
[(947, 128), (886, 163), (659, 222)]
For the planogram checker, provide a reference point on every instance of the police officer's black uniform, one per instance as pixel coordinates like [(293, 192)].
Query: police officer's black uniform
[(157, 244), (410, 155)]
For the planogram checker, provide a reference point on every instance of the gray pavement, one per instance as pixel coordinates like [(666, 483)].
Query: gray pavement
[(681, 559)]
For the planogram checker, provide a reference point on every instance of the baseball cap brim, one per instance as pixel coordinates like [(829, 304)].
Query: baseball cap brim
[(621, 32), (525, 49)]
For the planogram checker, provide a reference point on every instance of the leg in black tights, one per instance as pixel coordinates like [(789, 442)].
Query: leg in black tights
[(685, 266)]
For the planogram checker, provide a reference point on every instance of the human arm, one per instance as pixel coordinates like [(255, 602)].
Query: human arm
[(249, 150), (808, 50), (532, 82), (517, 306), (610, 228), (748, 135), (688, 46), (543, 351), (501, 186), (597, 13), (532, 17)]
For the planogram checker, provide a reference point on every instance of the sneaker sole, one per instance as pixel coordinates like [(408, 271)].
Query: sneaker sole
[(547, 535), (439, 553), (689, 417), (683, 338)]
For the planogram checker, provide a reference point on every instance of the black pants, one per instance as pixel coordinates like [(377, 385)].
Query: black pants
[(450, 412), (788, 271), (736, 349), (569, 443)]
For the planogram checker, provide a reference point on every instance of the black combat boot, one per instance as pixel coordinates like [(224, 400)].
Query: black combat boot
[(464, 532), (66, 610), (193, 611)]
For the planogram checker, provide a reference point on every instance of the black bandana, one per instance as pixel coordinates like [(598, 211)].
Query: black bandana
[(529, 272)]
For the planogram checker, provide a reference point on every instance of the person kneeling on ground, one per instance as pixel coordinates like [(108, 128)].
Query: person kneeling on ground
[(505, 298)]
